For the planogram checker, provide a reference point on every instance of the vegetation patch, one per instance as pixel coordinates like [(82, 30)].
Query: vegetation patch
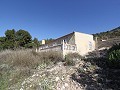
[(17, 65), (71, 58), (113, 56)]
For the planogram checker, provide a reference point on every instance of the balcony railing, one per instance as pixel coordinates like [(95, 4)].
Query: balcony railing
[(70, 47), (58, 47)]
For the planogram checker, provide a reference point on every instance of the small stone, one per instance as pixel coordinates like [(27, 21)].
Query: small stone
[(78, 77), (23, 83), (10, 79), (63, 88), (37, 75), (85, 69), (108, 81), (39, 83), (66, 85), (21, 89), (57, 78), (33, 75), (95, 75), (30, 85), (62, 78)]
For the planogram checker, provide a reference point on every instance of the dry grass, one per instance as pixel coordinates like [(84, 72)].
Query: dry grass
[(28, 58), (17, 65)]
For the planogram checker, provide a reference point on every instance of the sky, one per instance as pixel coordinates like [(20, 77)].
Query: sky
[(54, 18)]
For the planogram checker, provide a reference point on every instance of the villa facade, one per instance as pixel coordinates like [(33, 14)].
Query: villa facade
[(74, 42)]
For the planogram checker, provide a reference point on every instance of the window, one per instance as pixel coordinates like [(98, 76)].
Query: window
[(90, 45), (65, 41)]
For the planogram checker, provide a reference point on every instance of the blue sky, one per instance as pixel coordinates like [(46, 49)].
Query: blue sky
[(54, 18)]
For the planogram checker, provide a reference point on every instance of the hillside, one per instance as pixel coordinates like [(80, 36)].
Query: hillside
[(109, 38), (108, 43), (114, 33), (28, 70)]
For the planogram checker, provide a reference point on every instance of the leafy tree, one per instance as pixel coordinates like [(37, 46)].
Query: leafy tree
[(17, 39), (36, 42), (10, 39), (10, 35), (29, 45), (22, 38), (2, 41), (48, 40)]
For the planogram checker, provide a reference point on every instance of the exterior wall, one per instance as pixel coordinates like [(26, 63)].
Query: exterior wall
[(84, 43), (52, 48), (43, 42), (68, 48)]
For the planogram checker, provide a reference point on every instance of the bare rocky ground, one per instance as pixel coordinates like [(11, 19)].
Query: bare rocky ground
[(94, 74), (56, 77)]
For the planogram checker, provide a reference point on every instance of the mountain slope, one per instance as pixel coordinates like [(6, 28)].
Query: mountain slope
[(108, 38), (114, 33)]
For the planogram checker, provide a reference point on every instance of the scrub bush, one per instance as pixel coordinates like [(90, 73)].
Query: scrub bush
[(113, 56), (71, 58)]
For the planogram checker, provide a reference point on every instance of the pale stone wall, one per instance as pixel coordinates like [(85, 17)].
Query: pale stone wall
[(84, 43), (68, 48), (51, 48), (63, 48)]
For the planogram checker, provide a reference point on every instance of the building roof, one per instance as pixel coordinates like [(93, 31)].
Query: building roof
[(59, 38), (64, 37)]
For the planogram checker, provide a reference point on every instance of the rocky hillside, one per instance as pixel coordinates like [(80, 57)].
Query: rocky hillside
[(86, 74), (28, 70), (114, 33), (109, 42), (55, 77), (108, 38)]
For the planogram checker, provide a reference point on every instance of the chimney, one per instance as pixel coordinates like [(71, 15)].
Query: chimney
[(43, 42)]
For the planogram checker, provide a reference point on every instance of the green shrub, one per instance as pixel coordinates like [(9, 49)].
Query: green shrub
[(29, 58), (50, 56), (4, 81), (70, 58), (69, 62), (113, 60), (114, 47)]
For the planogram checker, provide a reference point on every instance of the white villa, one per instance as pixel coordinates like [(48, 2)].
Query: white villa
[(74, 42)]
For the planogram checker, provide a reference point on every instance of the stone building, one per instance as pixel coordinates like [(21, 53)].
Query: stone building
[(74, 42)]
